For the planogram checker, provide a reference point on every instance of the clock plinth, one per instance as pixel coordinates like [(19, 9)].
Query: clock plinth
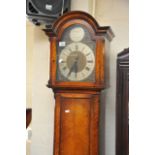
[(78, 73)]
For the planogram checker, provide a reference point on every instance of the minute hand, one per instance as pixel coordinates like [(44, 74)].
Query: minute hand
[(76, 69), (72, 68)]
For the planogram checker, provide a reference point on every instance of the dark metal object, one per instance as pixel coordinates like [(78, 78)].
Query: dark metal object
[(46, 11)]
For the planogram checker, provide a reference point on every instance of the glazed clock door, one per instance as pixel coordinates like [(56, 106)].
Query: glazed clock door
[(76, 55)]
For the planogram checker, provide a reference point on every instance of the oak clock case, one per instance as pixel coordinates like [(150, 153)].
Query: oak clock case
[(78, 71)]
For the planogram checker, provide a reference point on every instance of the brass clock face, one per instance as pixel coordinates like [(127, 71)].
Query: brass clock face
[(76, 61), (76, 55)]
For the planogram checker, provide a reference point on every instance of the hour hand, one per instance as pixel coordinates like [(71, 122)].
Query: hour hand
[(74, 68), (71, 70)]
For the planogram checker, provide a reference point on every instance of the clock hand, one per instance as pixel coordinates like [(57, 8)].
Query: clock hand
[(74, 67)]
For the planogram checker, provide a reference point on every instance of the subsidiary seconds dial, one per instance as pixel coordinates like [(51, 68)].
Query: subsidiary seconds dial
[(76, 61)]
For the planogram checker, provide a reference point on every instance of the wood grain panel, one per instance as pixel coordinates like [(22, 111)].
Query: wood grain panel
[(75, 120), (76, 129)]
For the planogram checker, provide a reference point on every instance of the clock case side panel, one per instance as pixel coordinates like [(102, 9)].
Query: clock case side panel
[(53, 59), (106, 59), (65, 105)]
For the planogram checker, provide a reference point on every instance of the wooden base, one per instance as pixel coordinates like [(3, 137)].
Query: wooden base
[(76, 123)]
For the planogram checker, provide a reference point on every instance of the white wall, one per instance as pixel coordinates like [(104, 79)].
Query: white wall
[(42, 97), (39, 97), (29, 62), (82, 5), (29, 73), (107, 12), (113, 13)]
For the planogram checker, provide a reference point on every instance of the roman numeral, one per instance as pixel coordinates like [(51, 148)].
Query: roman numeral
[(88, 54), (64, 68), (83, 74), (87, 68), (83, 48), (65, 54), (70, 50), (76, 47), (90, 61), (63, 61)]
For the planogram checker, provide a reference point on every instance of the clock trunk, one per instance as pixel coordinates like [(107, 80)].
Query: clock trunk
[(76, 123)]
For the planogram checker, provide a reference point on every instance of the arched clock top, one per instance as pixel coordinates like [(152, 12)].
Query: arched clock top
[(78, 52), (83, 19)]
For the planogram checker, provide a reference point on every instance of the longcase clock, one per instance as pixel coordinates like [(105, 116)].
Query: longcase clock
[(78, 73)]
